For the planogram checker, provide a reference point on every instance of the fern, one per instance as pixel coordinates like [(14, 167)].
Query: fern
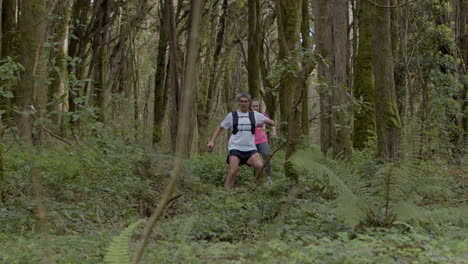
[(351, 204), (117, 253), (389, 194)]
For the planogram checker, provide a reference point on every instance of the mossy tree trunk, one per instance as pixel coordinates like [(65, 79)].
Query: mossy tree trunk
[(387, 116), (3, 187), (253, 65), (307, 49), (289, 15), (78, 49), (323, 28), (59, 74), (461, 32), (364, 123), (269, 90), (100, 48), (31, 90), (160, 91), (289, 25)]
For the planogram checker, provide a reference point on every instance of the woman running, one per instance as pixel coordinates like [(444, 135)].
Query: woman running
[(261, 139)]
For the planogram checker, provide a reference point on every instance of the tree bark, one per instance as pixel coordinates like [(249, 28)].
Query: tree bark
[(160, 93), (8, 27), (77, 50), (289, 24), (387, 116), (216, 56), (341, 111), (100, 49), (307, 49), (60, 72), (253, 65), (324, 40), (173, 74), (364, 123), (31, 91), (461, 33)]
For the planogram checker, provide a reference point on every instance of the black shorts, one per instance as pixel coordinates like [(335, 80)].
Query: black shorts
[(244, 156)]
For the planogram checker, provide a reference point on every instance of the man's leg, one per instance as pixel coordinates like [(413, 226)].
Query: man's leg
[(256, 162), (233, 168)]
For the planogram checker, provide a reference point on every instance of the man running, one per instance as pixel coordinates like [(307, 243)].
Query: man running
[(241, 146)]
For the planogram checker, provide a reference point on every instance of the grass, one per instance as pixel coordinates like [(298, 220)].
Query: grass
[(93, 193)]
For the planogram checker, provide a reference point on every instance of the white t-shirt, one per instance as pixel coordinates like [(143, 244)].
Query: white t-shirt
[(243, 140)]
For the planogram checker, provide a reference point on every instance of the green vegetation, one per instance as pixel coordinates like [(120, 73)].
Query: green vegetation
[(95, 191)]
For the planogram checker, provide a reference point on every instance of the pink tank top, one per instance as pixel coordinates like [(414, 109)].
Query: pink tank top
[(260, 134)]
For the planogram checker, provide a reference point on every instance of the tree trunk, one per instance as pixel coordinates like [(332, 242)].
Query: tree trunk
[(289, 25), (100, 48), (387, 116), (77, 50), (324, 42), (364, 123), (173, 75), (216, 56), (60, 72), (3, 187), (32, 89), (188, 108), (8, 27), (307, 49), (160, 94), (253, 65), (1, 27), (461, 33), (341, 123)]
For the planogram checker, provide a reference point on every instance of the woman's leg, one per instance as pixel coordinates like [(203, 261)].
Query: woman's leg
[(264, 149)]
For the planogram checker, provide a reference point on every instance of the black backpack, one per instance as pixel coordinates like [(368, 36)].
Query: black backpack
[(235, 122)]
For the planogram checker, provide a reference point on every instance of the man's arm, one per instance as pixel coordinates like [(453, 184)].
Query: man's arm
[(270, 122), (217, 132)]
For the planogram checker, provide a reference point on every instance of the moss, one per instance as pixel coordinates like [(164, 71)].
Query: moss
[(394, 116)]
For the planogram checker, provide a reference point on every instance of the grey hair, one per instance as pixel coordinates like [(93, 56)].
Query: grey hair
[(246, 95)]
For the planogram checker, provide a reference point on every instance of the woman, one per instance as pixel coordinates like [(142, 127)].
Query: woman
[(261, 139)]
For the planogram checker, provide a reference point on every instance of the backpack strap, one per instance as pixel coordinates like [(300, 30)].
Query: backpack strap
[(235, 122), (252, 121)]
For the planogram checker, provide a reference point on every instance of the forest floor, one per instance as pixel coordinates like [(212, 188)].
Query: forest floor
[(93, 193)]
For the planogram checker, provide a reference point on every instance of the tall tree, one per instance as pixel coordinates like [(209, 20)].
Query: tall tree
[(77, 50), (160, 93), (341, 129), (461, 33), (387, 116), (32, 89), (173, 74), (59, 61), (332, 43), (289, 17), (100, 53), (323, 27), (253, 65), (8, 26), (307, 50), (364, 123)]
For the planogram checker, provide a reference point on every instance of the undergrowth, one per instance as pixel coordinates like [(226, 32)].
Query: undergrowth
[(95, 191)]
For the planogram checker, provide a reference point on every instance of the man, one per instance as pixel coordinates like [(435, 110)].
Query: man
[(241, 146)]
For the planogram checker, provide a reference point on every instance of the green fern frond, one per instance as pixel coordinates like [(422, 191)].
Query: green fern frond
[(351, 204), (117, 253)]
